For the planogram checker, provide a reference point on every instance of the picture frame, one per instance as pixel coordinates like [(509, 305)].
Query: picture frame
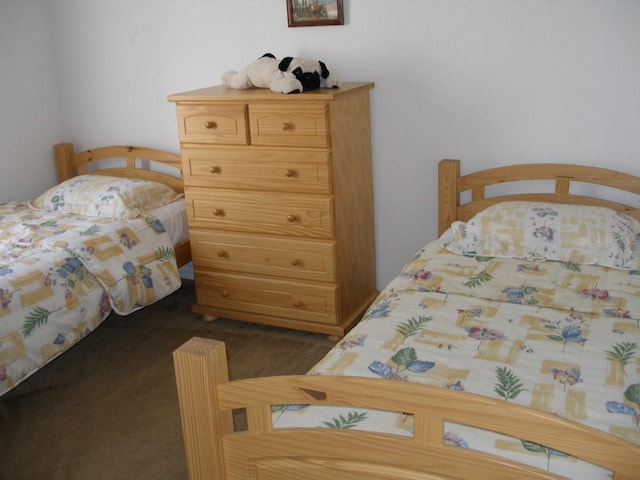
[(313, 13)]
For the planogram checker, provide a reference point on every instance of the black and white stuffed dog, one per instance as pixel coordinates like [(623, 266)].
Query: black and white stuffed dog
[(289, 75)]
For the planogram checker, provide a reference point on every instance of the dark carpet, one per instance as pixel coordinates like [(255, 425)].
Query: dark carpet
[(108, 408)]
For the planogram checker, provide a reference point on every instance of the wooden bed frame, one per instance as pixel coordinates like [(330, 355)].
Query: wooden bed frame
[(207, 398), (137, 165)]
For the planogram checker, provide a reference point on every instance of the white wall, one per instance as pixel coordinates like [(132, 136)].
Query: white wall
[(488, 81), (30, 115)]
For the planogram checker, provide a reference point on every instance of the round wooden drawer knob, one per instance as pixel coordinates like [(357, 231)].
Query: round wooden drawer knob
[(297, 303), (288, 173), (218, 212), (291, 218), (224, 293), (221, 253), (210, 125), (285, 126), (214, 169), (295, 261)]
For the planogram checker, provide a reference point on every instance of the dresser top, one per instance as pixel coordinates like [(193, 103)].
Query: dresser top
[(224, 93)]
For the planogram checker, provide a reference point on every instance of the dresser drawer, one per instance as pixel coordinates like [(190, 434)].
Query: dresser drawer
[(281, 257), (289, 125), (213, 124), (303, 171), (261, 212), (299, 301)]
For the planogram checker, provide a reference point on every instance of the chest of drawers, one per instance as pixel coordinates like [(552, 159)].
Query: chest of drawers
[(280, 204)]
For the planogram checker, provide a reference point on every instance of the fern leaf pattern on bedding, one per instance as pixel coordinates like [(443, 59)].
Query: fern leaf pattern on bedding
[(412, 326), (509, 385), (350, 421), (478, 279), (623, 354), (38, 316)]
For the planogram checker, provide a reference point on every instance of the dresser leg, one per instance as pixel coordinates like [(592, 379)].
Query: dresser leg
[(208, 318)]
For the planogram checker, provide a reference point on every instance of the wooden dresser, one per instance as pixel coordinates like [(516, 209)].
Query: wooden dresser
[(280, 204)]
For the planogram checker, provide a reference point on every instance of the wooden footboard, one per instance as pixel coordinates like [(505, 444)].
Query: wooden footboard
[(216, 452)]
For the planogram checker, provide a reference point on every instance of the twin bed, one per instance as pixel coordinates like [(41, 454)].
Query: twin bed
[(507, 348), (105, 238)]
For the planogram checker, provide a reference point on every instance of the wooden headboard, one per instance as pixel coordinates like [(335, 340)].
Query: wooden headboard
[(451, 185), (69, 164)]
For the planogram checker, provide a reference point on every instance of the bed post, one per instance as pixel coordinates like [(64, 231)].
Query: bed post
[(200, 365), (448, 174), (64, 168)]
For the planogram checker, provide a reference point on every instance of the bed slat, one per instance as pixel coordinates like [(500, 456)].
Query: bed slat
[(448, 174)]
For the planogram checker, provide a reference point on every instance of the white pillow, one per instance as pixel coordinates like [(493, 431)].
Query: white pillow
[(550, 231), (101, 195)]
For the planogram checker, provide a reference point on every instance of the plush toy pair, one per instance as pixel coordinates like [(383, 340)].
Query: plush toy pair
[(289, 75)]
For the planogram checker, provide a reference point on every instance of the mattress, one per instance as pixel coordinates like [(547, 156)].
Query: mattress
[(173, 217)]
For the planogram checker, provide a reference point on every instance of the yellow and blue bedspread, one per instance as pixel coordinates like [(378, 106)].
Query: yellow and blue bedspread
[(555, 336), (62, 274)]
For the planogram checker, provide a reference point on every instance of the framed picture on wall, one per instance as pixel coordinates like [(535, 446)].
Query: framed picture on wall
[(310, 13)]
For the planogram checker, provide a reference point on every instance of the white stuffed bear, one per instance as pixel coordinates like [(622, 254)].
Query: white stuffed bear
[(290, 75)]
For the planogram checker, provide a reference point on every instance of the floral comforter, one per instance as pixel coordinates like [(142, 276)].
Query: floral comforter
[(560, 337), (61, 274)]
